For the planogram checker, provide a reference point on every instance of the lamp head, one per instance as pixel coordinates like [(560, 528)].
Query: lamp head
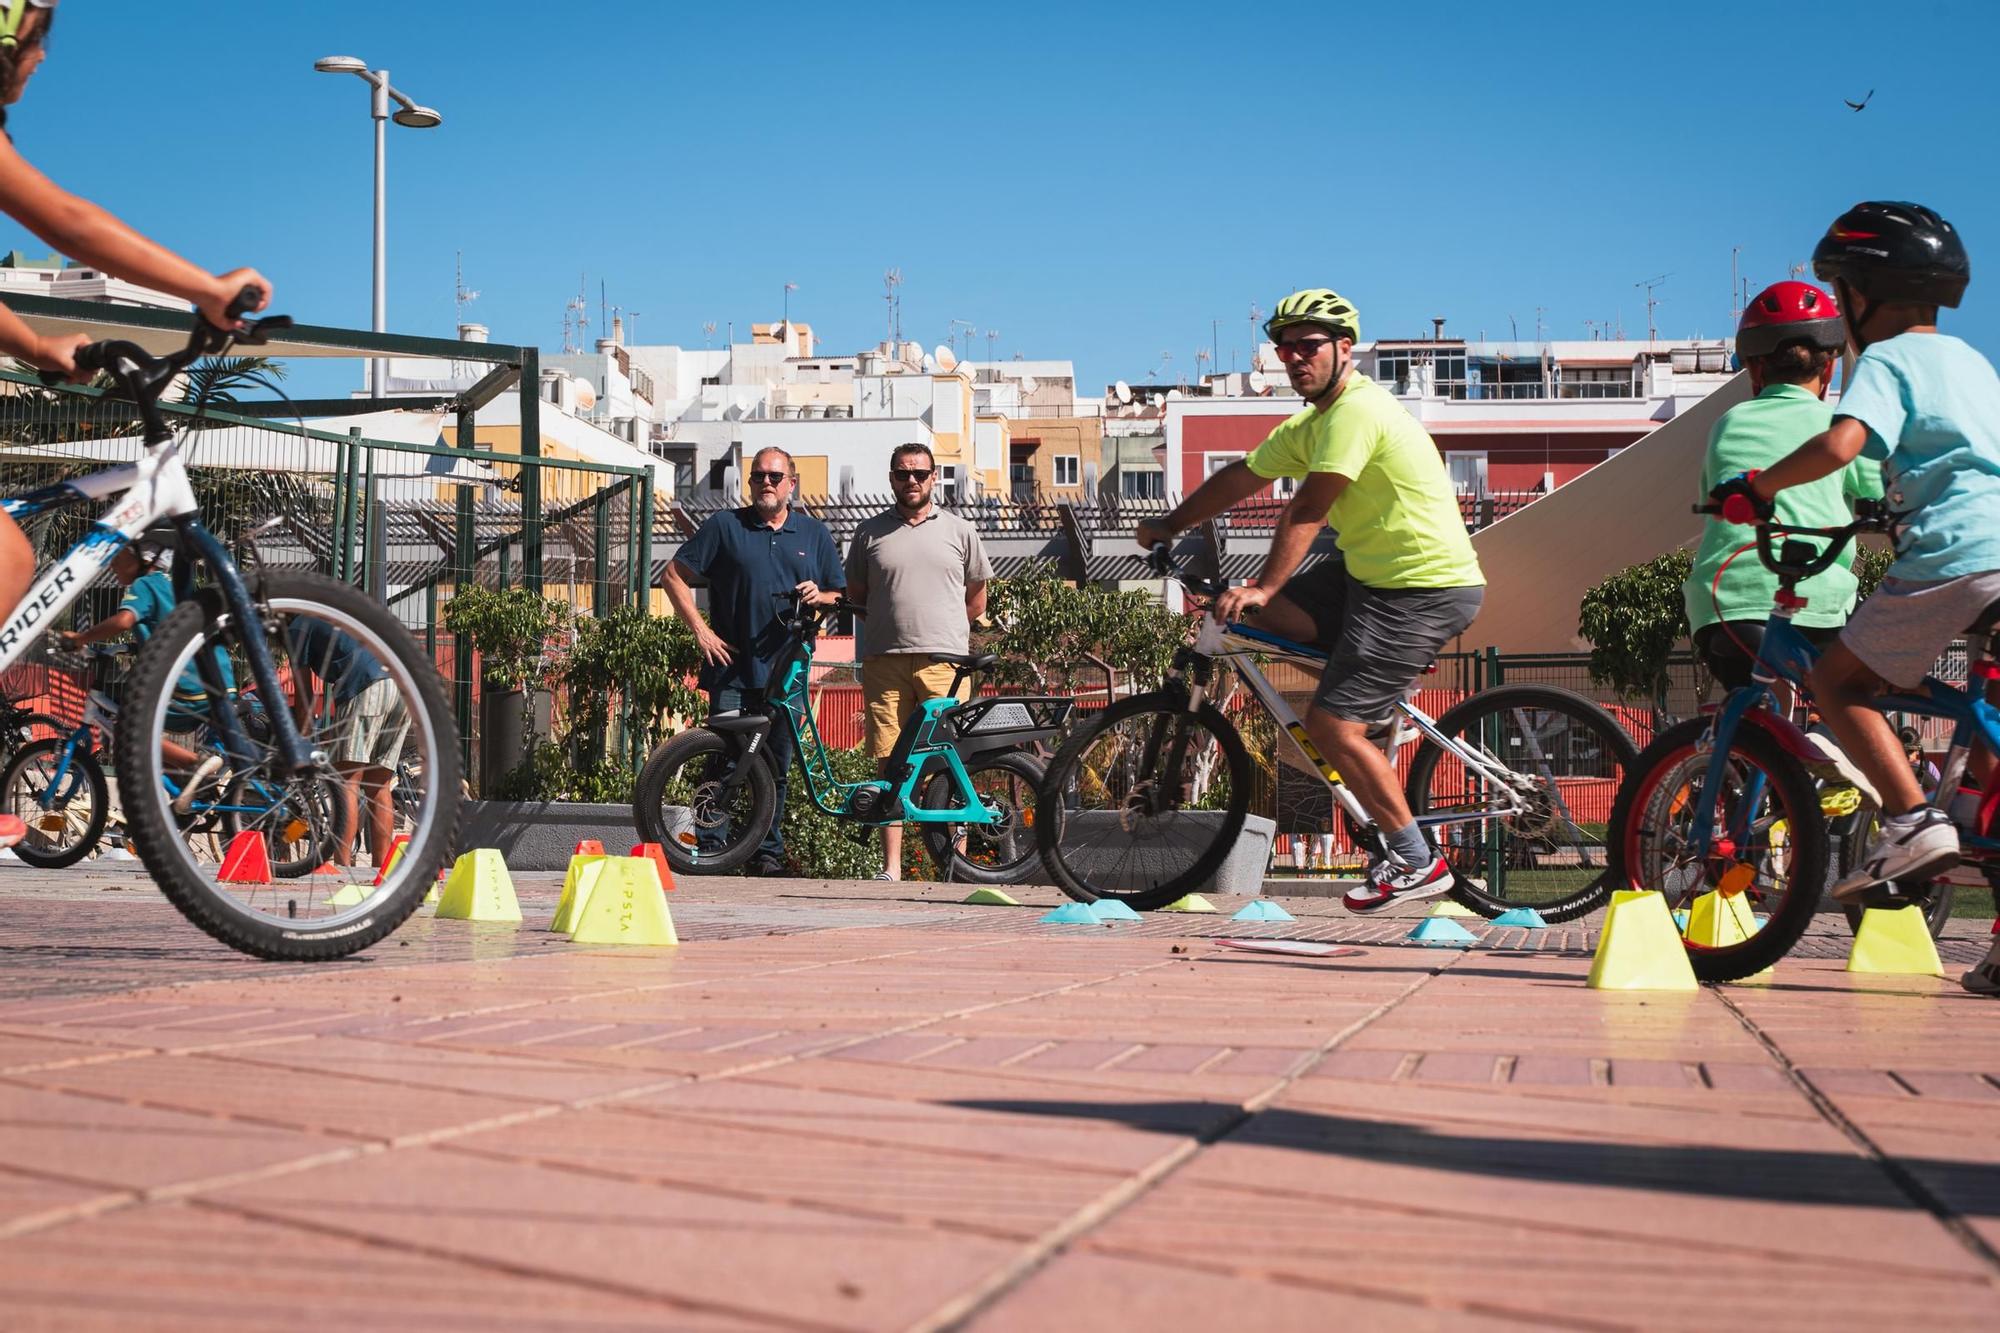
[(340, 65), (418, 117)]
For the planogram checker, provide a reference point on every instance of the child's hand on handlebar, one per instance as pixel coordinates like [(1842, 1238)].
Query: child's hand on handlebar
[(1740, 502), (58, 355), (215, 304)]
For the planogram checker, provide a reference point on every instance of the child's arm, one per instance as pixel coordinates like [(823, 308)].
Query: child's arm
[(84, 231), (1823, 455)]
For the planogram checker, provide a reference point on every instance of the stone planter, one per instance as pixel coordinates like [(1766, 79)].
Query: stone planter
[(542, 835), (1242, 872)]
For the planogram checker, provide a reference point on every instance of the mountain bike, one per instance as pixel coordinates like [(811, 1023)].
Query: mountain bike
[(245, 616), (1145, 801), (1728, 804), (960, 771)]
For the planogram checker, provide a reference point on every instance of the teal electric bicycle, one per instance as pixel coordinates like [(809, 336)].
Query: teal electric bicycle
[(964, 772)]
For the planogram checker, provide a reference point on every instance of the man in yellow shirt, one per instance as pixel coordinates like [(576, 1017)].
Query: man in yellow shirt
[(1406, 584)]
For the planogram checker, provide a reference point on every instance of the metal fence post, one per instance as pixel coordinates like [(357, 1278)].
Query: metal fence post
[(530, 391), (464, 556), (600, 588), (642, 578), (350, 518)]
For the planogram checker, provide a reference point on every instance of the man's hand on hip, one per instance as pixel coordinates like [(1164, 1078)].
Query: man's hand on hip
[(713, 650), (1241, 603)]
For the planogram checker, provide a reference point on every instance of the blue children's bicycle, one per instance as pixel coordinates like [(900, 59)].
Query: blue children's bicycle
[(1724, 815)]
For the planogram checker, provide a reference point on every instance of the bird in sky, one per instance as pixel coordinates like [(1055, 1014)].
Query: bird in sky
[(1857, 106)]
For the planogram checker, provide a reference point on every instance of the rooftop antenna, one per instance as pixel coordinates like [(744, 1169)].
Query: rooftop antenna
[(969, 328), (1513, 330), (790, 287), (992, 342), (891, 280), (603, 309), (461, 298), (707, 333), (1596, 327), (1735, 286), (1652, 303), (1256, 317), (576, 318), (1540, 310), (1203, 358), (631, 328)]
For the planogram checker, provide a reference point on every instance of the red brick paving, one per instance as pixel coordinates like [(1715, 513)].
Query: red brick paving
[(868, 1107)]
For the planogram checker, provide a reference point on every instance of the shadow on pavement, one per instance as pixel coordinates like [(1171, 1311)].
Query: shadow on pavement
[(1762, 1175)]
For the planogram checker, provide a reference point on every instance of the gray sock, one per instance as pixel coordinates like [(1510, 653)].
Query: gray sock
[(1407, 844)]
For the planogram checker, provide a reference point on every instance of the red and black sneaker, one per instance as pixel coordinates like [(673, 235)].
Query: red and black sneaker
[(1391, 881)]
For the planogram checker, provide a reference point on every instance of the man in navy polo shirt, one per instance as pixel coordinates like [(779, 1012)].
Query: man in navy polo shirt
[(749, 556)]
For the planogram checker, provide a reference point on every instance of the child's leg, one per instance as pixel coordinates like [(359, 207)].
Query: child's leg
[(1845, 689), (17, 564)]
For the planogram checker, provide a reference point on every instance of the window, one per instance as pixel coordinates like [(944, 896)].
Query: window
[(1142, 485), (718, 475), (1066, 470), (711, 379), (1468, 473), (1214, 463), (948, 484)]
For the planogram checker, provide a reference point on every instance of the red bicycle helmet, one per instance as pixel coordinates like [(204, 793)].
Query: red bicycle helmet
[(1789, 312)]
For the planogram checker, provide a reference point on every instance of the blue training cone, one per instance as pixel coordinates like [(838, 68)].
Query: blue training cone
[(1071, 914), (1263, 910), (1526, 917), (1441, 932), (1110, 909)]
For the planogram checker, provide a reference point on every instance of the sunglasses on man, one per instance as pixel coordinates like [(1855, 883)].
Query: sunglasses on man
[(1304, 349), (769, 478), (911, 473)]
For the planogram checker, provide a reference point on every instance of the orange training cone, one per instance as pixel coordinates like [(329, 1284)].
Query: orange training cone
[(589, 847), (245, 861), (652, 852), (396, 848)]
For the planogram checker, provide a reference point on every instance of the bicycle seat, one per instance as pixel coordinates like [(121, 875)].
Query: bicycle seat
[(970, 661)]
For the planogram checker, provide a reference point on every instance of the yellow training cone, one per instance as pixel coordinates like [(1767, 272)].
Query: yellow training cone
[(1640, 949), (1451, 907), (479, 889), (584, 869), (1894, 941), (348, 895), (1192, 902), (626, 906), (1720, 920)]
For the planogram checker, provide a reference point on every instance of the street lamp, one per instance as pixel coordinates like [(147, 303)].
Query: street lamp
[(407, 113)]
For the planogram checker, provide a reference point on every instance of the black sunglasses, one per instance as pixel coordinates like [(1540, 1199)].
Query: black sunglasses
[(911, 473), (771, 478)]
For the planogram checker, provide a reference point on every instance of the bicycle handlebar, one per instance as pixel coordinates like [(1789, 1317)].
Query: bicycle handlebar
[(143, 376), (1869, 516), (1163, 563)]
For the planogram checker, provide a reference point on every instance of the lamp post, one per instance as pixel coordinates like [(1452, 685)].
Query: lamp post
[(415, 117)]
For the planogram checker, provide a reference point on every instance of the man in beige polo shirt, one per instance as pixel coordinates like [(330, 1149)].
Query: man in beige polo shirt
[(921, 573)]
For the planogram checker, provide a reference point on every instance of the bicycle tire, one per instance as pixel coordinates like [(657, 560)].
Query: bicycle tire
[(1088, 860), (86, 775), (1598, 754), (746, 820), (1850, 839), (1678, 753), (303, 927), (1010, 839)]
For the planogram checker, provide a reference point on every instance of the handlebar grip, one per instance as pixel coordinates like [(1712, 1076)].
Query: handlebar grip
[(1740, 509), (246, 300), (93, 357), (1707, 509)]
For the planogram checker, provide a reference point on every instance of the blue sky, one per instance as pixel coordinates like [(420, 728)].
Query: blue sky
[(1094, 182)]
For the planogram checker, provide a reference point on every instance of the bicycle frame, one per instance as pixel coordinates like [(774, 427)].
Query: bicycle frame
[(155, 488), (1235, 645)]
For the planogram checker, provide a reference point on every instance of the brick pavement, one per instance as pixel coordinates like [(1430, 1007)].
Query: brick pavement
[(866, 1106)]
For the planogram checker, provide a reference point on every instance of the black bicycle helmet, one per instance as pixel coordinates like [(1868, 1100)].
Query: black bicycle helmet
[(1894, 252)]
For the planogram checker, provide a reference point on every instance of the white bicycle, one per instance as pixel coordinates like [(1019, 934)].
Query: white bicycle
[(301, 644)]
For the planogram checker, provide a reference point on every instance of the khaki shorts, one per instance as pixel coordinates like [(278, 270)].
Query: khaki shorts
[(371, 727), (893, 685), (1904, 627)]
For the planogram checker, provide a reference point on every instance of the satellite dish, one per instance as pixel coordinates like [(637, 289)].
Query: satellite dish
[(1172, 395), (1123, 392), (944, 358), (930, 364)]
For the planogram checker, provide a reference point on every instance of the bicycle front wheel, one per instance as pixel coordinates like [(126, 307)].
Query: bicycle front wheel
[(1744, 905), (707, 817), (1523, 823), (1002, 852), (1144, 802), (364, 694), (63, 801)]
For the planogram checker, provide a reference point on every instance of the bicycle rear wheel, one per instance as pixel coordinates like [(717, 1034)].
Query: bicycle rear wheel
[(1002, 852), (1143, 802), (1564, 758), (1766, 864), (328, 638), (64, 804)]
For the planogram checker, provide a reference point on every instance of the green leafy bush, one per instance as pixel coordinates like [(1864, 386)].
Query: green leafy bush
[(510, 629), (1048, 625)]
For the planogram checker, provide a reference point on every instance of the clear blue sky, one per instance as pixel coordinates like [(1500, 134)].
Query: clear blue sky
[(1094, 182)]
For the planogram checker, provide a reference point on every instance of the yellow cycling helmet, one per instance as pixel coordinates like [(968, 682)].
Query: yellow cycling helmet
[(13, 13), (1315, 305)]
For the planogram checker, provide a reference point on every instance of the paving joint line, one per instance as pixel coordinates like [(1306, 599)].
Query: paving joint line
[(1053, 1242), (1899, 1175)]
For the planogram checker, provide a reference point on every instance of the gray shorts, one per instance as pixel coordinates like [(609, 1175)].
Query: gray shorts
[(371, 727), (1379, 639), (1904, 627)]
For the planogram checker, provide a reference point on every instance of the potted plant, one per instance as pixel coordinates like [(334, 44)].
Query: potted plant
[(510, 629)]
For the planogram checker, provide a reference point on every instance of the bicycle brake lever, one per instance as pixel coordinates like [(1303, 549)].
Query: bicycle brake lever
[(258, 331)]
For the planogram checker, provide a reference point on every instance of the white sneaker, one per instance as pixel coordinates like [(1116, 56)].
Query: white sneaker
[(1836, 767), (209, 768), (1984, 979), (1916, 850)]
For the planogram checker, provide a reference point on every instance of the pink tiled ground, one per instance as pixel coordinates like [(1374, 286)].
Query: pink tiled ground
[(868, 1107)]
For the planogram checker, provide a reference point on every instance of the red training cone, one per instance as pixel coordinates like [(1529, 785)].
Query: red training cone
[(652, 852), (397, 845), (589, 847), (246, 862)]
